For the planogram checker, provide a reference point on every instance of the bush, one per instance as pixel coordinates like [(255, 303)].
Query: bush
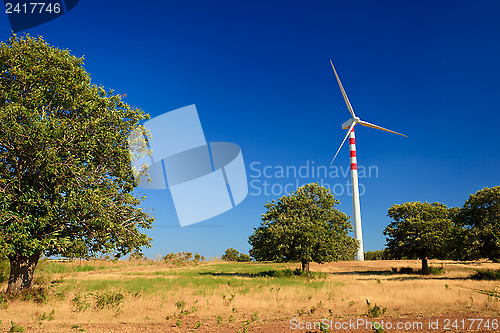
[(233, 255), (105, 300), (109, 300), (376, 255), (406, 270), (436, 270), (37, 295), (244, 257), (182, 258), (81, 302), (287, 272), (374, 311), (198, 257), (281, 273), (16, 328), (230, 255), (486, 274), (411, 270)]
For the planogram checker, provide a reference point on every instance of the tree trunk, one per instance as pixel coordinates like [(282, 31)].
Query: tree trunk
[(305, 267), (21, 272), (425, 266)]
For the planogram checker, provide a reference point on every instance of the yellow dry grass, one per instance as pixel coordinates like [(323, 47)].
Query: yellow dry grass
[(342, 292)]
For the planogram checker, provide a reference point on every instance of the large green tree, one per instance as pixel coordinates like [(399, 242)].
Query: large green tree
[(303, 227), (66, 185), (479, 219), (420, 230)]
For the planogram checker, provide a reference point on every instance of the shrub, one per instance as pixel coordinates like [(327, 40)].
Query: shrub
[(182, 258), (3, 300), (411, 270), (81, 302), (234, 255), (197, 257), (109, 300), (244, 257), (486, 274), (37, 295), (16, 328), (406, 270), (376, 255), (231, 255), (375, 311), (436, 270)]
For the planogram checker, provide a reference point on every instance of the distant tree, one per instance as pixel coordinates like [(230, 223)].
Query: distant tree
[(65, 175), (419, 230), (186, 256), (479, 219), (231, 255), (303, 227), (376, 255), (170, 256), (244, 257)]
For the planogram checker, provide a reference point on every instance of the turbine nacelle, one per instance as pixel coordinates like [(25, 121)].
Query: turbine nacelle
[(348, 123)]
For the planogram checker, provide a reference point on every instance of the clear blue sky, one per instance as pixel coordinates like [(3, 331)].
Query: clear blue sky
[(259, 74)]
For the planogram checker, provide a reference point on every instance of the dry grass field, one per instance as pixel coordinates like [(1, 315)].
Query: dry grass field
[(154, 296)]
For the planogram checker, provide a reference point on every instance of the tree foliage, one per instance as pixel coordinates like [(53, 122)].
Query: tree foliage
[(305, 227), (480, 219), (65, 178), (234, 255), (376, 255), (231, 255), (419, 230)]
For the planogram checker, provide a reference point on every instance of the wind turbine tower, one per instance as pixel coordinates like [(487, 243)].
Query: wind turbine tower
[(349, 125)]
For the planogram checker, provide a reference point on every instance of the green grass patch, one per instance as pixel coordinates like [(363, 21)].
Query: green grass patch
[(204, 280), (55, 267)]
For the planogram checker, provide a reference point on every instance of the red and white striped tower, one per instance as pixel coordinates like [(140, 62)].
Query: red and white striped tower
[(349, 125), (358, 234)]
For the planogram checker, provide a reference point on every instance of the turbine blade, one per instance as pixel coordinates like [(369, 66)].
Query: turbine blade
[(367, 124), (343, 92), (348, 131)]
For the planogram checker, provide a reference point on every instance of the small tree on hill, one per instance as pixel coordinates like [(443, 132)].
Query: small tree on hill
[(305, 227), (419, 230), (231, 255), (480, 219), (66, 185), (244, 258)]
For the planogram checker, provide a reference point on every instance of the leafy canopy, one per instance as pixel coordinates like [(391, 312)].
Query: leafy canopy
[(419, 230), (234, 255), (303, 226), (480, 219), (65, 178)]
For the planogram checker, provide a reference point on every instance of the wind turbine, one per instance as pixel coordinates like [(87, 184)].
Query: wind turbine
[(349, 125)]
